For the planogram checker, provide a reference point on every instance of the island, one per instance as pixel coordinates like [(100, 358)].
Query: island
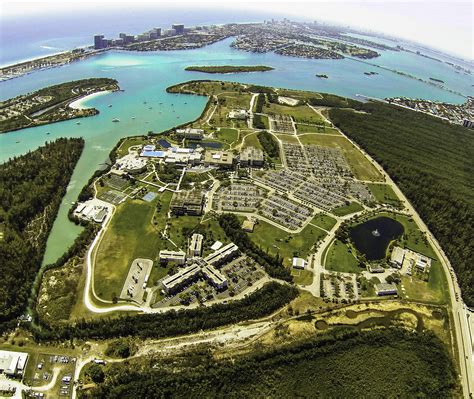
[(51, 104), (437, 80), (322, 75), (229, 68)]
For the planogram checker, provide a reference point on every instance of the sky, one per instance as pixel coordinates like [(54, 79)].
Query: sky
[(444, 25)]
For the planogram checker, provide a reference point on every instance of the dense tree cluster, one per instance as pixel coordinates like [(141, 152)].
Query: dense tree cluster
[(273, 264), (431, 161), (260, 102), (391, 363), (269, 144), (31, 189), (258, 121), (262, 302)]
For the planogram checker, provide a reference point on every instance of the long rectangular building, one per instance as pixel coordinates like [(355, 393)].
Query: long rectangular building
[(222, 255), (12, 363), (172, 256), (215, 277), (185, 275), (195, 248)]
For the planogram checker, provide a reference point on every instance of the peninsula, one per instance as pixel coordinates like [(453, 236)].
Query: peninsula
[(51, 104), (229, 68)]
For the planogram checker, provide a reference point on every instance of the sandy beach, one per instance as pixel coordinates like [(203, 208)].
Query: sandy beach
[(81, 103)]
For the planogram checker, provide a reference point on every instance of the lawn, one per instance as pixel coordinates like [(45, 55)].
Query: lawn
[(287, 138), (302, 277), (347, 209), (129, 142), (277, 241), (130, 235), (227, 135), (360, 165), (340, 259), (300, 113), (251, 140), (383, 193), (324, 221)]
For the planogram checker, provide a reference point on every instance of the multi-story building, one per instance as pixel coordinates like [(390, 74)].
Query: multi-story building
[(251, 156), (190, 133), (184, 276), (195, 247), (179, 28), (222, 255), (187, 202), (221, 159), (178, 257), (99, 42)]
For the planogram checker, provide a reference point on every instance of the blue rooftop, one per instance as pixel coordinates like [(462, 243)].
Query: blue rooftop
[(153, 154)]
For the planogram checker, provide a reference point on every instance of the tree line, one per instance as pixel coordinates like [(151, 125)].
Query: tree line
[(31, 189)]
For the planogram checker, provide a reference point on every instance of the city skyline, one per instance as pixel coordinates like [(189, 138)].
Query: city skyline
[(444, 26)]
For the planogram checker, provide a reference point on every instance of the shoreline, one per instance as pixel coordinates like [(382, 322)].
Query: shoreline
[(80, 103)]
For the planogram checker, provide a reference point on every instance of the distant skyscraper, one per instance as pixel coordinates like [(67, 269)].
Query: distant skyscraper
[(99, 42), (179, 28)]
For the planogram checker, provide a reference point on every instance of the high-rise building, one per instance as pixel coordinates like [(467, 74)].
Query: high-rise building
[(99, 42), (179, 28)]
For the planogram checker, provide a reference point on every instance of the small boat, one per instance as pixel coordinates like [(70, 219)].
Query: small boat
[(48, 133), (144, 102), (150, 107), (133, 117), (115, 120), (110, 105), (17, 142), (78, 123)]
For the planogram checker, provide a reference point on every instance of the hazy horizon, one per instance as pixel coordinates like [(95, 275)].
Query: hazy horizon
[(443, 26)]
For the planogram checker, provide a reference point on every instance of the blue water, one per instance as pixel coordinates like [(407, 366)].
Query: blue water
[(145, 76)]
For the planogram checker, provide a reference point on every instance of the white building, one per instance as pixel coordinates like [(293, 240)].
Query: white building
[(238, 114), (172, 256), (190, 133), (299, 263), (13, 363), (398, 256), (195, 248)]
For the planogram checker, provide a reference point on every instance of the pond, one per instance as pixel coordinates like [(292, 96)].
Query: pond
[(372, 237)]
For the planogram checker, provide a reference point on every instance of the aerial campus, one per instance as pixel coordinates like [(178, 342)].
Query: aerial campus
[(267, 228)]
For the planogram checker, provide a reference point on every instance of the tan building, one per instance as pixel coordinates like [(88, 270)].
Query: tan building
[(251, 156), (221, 159), (190, 133), (187, 202)]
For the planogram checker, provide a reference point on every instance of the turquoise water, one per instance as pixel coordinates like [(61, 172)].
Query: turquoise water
[(145, 76)]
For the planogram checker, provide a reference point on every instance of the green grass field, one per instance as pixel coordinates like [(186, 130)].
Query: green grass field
[(123, 150), (383, 193), (130, 235), (271, 238), (302, 277), (227, 135), (324, 221), (300, 113), (340, 259), (347, 209), (251, 140), (360, 165)]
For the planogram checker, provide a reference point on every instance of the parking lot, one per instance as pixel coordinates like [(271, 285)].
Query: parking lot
[(285, 212), (281, 123), (42, 369), (238, 197), (137, 279), (339, 286)]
